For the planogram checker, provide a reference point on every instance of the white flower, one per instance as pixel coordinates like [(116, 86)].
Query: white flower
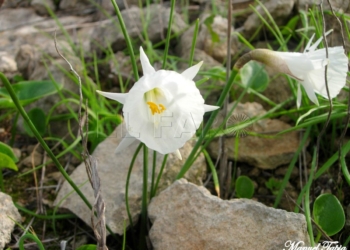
[(163, 109), (308, 68)]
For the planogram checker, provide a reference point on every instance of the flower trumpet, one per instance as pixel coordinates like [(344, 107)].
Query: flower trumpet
[(163, 109), (308, 68)]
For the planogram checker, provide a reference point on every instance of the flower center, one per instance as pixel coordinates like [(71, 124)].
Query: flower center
[(154, 99), (156, 108)]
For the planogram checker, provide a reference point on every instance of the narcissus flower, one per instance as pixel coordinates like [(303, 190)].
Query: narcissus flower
[(308, 68), (163, 109)]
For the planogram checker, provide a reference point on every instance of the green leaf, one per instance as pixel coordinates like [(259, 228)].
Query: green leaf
[(291, 26), (7, 162), (274, 185), (329, 214), (95, 138), (87, 247), (244, 187), (27, 92), (38, 118), (254, 75), (5, 149), (208, 22)]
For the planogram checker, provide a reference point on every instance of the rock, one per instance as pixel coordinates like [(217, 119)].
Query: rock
[(340, 6), (9, 215), (205, 42), (124, 4), (186, 216), (107, 34), (266, 152), (17, 18), (40, 6), (113, 169), (8, 65), (34, 65), (32, 159), (77, 8), (117, 71), (279, 10), (16, 3)]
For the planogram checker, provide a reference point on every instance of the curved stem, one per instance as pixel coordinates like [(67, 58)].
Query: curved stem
[(33, 238)]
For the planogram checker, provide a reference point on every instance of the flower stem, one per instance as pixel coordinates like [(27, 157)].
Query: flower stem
[(143, 229), (201, 138), (154, 190), (127, 184), (167, 40), (153, 173), (193, 47), (127, 40), (307, 199)]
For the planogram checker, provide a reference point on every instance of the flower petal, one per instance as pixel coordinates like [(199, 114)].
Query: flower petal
[(126, 142), (308, 86), (191, 72), (307, 48), (146, 66), (299, 96), (208, 108), (120, 97), (178, 154), (336, 71), (315, 45)]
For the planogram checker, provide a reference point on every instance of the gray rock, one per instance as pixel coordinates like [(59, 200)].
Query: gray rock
[(279, 10), (41, 6), (77, 8), (17, 18), (216, 49), (107, 34), (124, 4), (34, 65), (340, 6), (8, 65), (267, 151), (16, 3), (186, 216), (8, 216), (113, 169)]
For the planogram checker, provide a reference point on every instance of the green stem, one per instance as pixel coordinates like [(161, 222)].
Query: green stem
[(127, 183), (291, 167), (153, 173), (33, 238), (154, 190), (127, 40), (201, 138), (213, 171), (307, 200), (167, 40), (45, 217), (194, 40), (144, 199), (2, 187), (40, 139)]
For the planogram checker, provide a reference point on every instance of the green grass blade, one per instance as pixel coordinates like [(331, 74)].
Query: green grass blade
[(194, 40), (291, 166), (127, 40), (167, 40), (198, 144)]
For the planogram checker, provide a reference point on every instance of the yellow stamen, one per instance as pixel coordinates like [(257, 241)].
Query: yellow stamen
[(156, 108)]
